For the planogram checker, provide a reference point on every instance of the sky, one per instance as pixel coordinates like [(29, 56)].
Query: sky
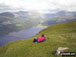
[(42, 6)]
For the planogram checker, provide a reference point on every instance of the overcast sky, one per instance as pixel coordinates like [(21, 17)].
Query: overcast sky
[(41, 6)]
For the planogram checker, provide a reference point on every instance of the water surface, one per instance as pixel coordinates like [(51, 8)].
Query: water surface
[(23, 34)]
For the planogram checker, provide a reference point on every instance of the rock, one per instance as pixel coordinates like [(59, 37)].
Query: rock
[(60, 49)]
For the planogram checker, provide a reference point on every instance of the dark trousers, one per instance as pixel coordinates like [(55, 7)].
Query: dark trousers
[(35, 40)]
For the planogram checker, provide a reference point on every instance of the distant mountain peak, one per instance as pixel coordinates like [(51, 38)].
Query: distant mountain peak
[(7, 14)]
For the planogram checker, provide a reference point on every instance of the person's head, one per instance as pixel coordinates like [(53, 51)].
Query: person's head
[(42, 35)]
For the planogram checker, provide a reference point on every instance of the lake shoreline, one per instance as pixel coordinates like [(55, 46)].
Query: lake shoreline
[(23, 34)]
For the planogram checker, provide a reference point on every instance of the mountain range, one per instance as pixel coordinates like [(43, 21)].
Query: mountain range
[(59, 17), (16, 21)]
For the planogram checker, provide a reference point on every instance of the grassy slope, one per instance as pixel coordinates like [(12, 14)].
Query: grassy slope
[(59, 35)]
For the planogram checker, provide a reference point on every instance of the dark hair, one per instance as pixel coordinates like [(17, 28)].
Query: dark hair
[(42, 35)]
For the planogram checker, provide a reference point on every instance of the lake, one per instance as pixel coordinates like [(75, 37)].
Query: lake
[(23, 34)]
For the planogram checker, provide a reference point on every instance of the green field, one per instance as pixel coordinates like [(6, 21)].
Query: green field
[(59, 35)]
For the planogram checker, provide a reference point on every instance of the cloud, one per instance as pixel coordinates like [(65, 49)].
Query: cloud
[(37, 5), (4, 8)]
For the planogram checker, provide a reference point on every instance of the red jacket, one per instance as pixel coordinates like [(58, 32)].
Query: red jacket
[(40, 39)]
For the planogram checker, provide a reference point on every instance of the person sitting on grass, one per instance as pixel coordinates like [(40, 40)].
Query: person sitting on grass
[(40, 39)]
